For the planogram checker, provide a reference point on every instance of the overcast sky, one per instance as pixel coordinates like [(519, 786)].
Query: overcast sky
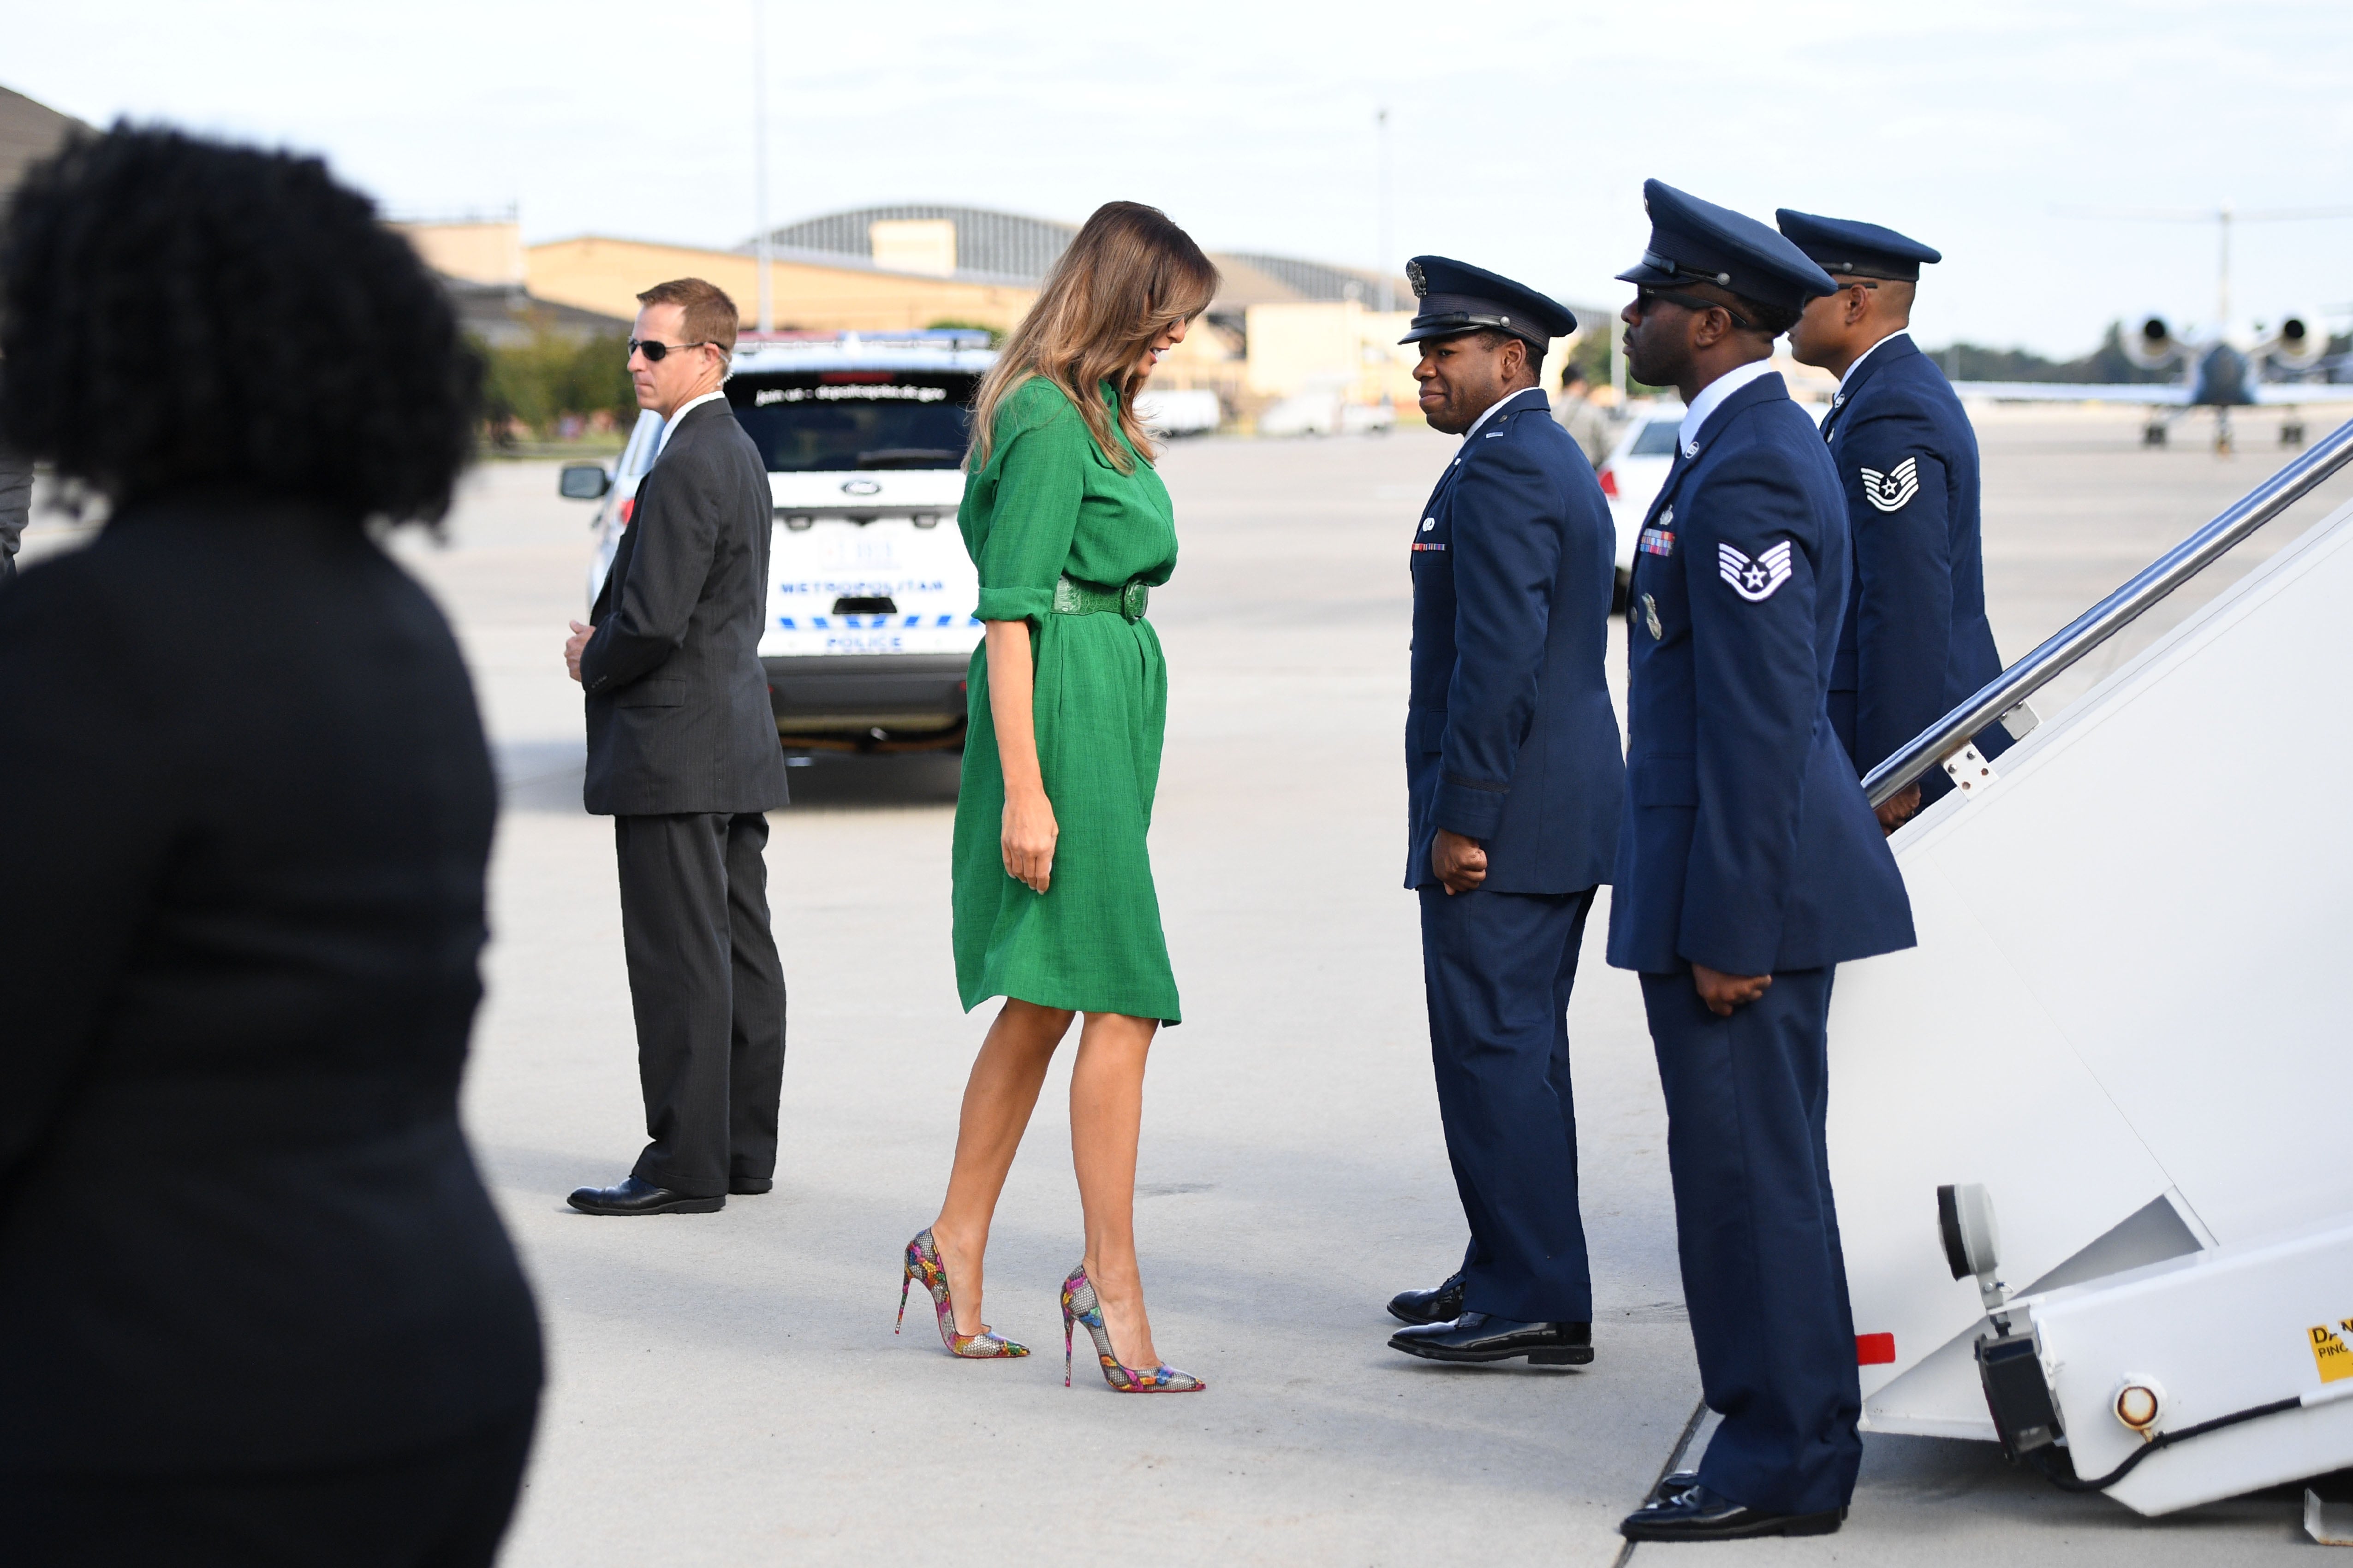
[(1522, 132)]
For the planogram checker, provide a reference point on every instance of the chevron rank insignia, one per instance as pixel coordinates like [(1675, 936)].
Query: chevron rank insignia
[(1893, 490), (1754, 578)]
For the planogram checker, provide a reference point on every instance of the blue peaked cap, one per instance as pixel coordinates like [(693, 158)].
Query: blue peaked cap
[(1856, 250), (1455, 297), (1693, 241)]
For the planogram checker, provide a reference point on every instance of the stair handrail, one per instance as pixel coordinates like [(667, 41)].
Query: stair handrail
[(2001, 696)]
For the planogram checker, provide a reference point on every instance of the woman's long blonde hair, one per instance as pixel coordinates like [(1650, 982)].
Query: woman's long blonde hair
[(1128, 277)]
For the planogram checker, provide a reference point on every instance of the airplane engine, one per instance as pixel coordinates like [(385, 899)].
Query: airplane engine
[(2151, 345), (2300, 343)]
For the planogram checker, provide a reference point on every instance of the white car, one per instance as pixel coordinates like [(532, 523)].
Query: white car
[(869, 627), (1194, 411)]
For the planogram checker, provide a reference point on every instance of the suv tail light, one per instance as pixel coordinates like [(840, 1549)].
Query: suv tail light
[(1609, 484)]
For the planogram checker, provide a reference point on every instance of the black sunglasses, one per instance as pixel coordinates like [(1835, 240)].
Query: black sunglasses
[(1692, 303), (656, 353)]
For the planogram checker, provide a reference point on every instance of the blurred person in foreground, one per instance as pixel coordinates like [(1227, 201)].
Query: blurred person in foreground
[(1054, 907), (683, 756), (1588, 424), (15, 507), (259, 1309)]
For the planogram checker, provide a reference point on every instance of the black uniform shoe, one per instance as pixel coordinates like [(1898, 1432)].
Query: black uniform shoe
[(1698, 1514), (1442, 1305), (750, 1186), (1670, 1484), (1476, 1337), (634, 1197)]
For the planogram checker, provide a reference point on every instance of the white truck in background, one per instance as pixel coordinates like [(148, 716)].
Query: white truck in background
[(868, 626)]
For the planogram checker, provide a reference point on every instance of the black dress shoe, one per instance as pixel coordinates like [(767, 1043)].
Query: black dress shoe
[(750, 1186), (1476, 1337), (1442, 1305), (1698, 1514), (1671, 1484), (634, 1197)]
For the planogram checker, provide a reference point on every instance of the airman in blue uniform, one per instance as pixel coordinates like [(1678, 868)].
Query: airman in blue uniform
[(1749, 867), (1917, 642), (1513, 785)]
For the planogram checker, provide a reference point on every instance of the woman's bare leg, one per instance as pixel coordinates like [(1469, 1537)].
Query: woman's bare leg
[(1106, 1113), (998, 1099)]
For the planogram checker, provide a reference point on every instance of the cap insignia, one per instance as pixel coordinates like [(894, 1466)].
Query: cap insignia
[(1413, 276)]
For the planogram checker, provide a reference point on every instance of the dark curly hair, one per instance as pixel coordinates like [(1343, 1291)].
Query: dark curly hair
[(176, 312)]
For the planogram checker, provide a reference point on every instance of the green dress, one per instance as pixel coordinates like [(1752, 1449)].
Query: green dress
[(1049, 504)]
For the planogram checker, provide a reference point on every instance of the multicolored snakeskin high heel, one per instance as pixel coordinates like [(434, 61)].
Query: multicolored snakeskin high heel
[(1079, 1306), (923, 1264)]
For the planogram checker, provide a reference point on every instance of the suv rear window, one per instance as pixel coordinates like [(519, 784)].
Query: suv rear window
[(830, 420), (1657, 440)]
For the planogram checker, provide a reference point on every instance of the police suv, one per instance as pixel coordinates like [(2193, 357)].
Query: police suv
[(868, 624)]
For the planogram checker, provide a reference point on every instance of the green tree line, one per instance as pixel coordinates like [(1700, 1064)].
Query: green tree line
[(2104, 365), (533, 384)]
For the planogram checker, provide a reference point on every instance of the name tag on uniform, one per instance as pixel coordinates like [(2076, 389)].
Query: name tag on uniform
[(1656, 541)]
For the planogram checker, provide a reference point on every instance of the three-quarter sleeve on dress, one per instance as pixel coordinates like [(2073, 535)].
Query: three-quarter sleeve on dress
[(1041, 480)]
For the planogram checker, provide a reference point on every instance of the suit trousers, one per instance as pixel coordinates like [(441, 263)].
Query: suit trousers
[(1497, 969), (443, 1507), (708, 996), (1764, 1276)]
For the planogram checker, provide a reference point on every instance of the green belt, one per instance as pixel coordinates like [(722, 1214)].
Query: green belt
[(1072, 597)]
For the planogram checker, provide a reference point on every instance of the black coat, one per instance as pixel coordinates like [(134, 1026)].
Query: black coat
[(678, 719), (1747, 844), (1509, 736), (1916, 643), (247, 809)]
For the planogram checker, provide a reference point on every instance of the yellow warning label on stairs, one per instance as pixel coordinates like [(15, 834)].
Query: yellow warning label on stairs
[(2330, 1353)]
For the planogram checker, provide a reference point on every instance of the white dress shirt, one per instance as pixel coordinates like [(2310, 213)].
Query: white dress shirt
[(1711, 398)]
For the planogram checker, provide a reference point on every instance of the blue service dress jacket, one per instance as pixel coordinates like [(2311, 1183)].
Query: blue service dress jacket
[(1747, 844), (1917, 642), (1510, 737)]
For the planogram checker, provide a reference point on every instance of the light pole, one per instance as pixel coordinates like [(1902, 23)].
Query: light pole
[(1381, 134), (762, 245)]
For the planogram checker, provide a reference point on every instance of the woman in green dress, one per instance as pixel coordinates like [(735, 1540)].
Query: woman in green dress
[(1071, 528)]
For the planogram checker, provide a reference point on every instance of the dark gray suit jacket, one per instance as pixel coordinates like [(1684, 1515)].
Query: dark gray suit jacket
[(15, 506), (679, 718)]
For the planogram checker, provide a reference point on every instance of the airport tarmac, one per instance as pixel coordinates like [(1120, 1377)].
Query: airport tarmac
[(727, 1389)]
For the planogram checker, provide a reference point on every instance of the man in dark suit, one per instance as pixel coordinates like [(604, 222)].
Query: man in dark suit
[(1917, 642), (15, 507), (683, 754), (1749, 865), (1513, 788)]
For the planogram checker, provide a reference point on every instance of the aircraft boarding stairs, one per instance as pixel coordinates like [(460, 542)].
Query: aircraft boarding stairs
[(2129, 1021)]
